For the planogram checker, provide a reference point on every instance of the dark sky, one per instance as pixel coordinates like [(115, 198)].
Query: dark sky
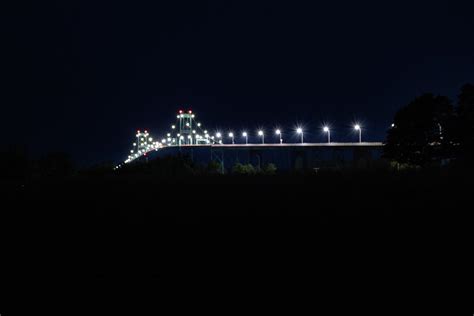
[(82, 76)]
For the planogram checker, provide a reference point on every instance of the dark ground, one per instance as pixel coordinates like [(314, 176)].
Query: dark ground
[(357, 228)]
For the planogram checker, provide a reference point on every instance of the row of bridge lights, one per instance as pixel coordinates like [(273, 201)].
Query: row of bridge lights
[(218, 135), (278, 132)]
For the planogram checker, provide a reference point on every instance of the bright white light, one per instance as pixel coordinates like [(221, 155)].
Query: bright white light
[(244, 134), (192, 116), (169, 139), (187, 124), (134, 144), (278, 132), (231, 134), (131, 151), (168, 135), (181, 137), (199, 124), (205, 132), (357, 127), (189, 136), (218, 135), (260, 133), (194, 132), (177, 116), (299, 130), (393, 125), (326, 129), (150, 139), (173, 127), (179, 134), (163, 140)]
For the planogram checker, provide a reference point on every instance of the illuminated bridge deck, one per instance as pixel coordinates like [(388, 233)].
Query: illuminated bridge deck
[(363, 144)]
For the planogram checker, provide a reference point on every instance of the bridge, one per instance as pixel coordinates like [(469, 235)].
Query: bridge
[(188, 136)]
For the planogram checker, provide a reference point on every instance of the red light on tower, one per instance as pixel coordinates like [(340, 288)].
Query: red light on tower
[(190, 111), (138, 131), (180, 111)]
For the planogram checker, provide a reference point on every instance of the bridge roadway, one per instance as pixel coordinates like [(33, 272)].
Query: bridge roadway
[(363, 144)]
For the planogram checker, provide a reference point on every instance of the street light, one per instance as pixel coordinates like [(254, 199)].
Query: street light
[(358, 128), (278, 132), (219, 135), (260, 133), (231, 135), (299, 130), (244, 134), (326, 129)]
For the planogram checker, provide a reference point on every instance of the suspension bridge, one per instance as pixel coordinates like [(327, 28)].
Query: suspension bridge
[(187, 135)]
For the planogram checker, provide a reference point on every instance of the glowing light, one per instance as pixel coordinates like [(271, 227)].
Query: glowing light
[(173, 127), (190, 111), (244, 134), (199, 124), (187, 124), (131, 151), (150, 139), (163, 140), (299, 130), (357, 127), (180, 111), (168, 135), (218, 135), (231, 134), (326, 129), (278, 132), (260, 133)]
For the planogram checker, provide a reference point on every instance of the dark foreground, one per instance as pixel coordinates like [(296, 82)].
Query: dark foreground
[(96, 231)]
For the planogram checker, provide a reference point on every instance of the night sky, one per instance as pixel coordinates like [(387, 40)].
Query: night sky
[(82, 76)]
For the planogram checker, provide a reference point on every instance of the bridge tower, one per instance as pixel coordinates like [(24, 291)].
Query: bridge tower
[(189, 131), (185, 123), (143, 144)]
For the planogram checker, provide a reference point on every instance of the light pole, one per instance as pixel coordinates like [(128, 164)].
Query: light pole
[(299, 130), (358, 128), (231, 135), (244, 134), (278, 132), (260, 133), (326, 129)]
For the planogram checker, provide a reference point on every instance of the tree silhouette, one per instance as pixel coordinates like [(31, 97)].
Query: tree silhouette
[(422, 131), (465, 126)]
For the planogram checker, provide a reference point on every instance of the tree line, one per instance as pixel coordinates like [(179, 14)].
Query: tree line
[(432, 130)]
